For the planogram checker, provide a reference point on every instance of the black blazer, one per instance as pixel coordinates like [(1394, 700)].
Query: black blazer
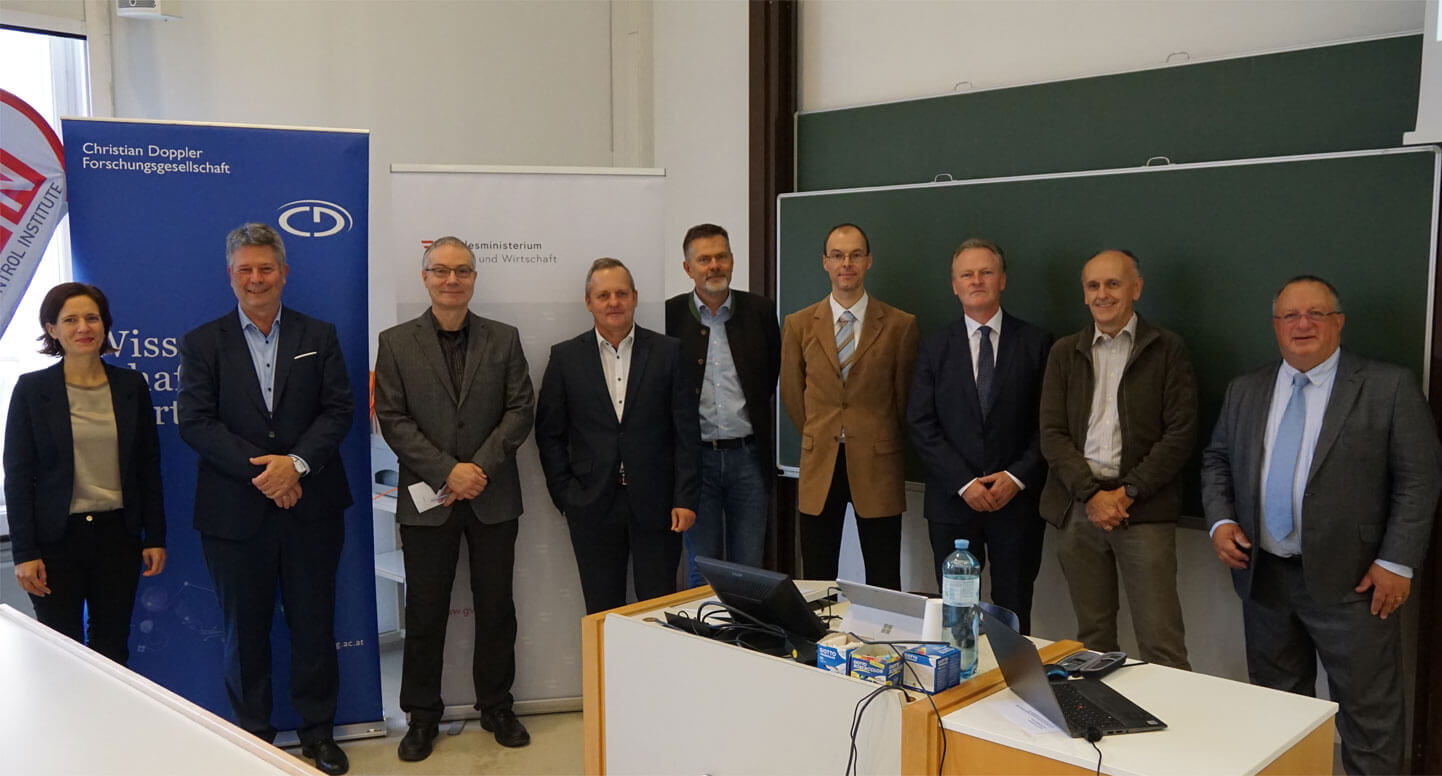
[(954, 442), (755, 339), (582, 445), (40, 459), (223, 417)]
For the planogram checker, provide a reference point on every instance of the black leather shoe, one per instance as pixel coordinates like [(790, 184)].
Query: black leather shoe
[(509, 730), (328, 756), (418, 741)]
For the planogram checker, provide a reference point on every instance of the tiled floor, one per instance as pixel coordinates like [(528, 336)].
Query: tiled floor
[(555, 747)]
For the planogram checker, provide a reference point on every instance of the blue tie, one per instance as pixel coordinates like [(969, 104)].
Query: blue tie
[(1282, 470), (985, 369)]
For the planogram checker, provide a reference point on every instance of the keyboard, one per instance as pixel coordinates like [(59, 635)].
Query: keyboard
[(1080, 712)]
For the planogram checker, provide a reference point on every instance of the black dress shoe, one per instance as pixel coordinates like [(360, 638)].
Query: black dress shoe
[(418, 741), (328, 756), (509, 730)]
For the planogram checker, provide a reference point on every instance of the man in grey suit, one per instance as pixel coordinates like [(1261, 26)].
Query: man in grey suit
[(1320, 485), (454, 400)]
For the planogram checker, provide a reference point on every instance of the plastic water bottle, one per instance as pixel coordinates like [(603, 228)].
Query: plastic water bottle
[(960, 592)]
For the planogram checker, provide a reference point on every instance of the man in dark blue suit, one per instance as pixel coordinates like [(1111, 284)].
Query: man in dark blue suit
[(973, 416), (265, 402), (617, 430)]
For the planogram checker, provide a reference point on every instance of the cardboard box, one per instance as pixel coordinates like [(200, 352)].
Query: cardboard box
[(879, 664), (833, 653), (931, 668)]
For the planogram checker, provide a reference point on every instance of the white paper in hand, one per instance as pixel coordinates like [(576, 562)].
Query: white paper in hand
[(425, 498)]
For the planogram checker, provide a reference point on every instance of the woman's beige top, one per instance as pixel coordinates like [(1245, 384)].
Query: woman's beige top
[(97, 457)]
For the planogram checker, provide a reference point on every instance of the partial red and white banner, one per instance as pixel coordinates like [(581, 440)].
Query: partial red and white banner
[(32, 196)]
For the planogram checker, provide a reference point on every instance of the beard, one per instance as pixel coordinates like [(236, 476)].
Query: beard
[(717, 284)]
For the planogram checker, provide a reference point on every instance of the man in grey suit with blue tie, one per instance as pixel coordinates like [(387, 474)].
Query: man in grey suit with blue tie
[(1320, 485), (454, 400)]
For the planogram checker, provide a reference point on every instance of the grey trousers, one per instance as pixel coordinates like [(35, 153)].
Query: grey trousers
[(1287, 631), (1146, 556)]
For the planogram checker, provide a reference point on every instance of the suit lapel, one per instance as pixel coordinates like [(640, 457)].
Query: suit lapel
[(640, 351), (285, 352), (122, 400), (56, 408), (476, 342), (429, 346), (824, 329), (961, 346), (1253, 420), (593, 373), (236, 350), (1345, 390), (870, 329)]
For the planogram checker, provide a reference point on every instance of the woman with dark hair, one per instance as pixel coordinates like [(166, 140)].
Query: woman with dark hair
[(82, 477)]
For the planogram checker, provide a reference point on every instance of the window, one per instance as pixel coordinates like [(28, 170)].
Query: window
[(49, 72)]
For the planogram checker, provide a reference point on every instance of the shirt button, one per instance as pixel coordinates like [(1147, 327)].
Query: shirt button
[(90, 518), (270, 434)]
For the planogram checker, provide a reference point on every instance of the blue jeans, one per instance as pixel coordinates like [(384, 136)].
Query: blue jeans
[(731, 519)]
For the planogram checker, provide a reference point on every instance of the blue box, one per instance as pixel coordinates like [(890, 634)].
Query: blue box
[(878, 668), (931, 668), (833, 653)]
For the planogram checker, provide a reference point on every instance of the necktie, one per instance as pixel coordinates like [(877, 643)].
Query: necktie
[(1282, 469), (985, 369), (846, 342)]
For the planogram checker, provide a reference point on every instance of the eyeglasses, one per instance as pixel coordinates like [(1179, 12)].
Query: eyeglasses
[(1315, 316), (838, 257), (461, 273)]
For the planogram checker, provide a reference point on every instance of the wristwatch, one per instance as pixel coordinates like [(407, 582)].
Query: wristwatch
[(300, 466), (1132, 491)]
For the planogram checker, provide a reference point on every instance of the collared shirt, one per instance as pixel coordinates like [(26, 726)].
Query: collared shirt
[(973, 337), (858, 310), (453, 349), (263, 352), (1103, 447), (616, 363), (723, 405), (1315, 393)]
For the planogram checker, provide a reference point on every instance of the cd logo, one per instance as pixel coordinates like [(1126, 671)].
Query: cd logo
[(325, 218)]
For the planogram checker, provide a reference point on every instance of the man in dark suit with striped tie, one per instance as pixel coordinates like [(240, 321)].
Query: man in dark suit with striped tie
[(973, 416)]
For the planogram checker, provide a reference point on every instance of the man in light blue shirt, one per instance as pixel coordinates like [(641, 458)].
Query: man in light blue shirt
[(1320, 485), (732, 343)]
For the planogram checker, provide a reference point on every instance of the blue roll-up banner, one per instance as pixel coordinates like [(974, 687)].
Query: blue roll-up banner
[(150, 205)]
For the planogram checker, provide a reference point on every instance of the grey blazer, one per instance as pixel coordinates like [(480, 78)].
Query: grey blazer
[(431, 427), (1373, 485)]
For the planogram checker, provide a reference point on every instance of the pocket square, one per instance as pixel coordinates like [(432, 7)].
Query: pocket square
[(303, 355)]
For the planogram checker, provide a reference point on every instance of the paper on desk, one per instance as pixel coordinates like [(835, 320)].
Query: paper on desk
[(1023, 715), (425, 498)]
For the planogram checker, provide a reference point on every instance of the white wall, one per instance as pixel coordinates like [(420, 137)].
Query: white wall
[(701, 120), (435, 82), (863, 51)]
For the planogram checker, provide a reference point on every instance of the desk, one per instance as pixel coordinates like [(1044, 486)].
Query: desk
[(1214, 726), (67, 710), (656, 700)]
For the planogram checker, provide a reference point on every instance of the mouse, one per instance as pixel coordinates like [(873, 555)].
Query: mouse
[(1055, 672)]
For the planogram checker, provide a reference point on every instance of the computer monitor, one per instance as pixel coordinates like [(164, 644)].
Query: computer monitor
[(769, 596)]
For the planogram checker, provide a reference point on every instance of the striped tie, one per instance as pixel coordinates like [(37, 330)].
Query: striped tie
[(846, 342)]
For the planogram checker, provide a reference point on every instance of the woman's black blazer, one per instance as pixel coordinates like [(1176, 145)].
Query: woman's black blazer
[(40, 460)]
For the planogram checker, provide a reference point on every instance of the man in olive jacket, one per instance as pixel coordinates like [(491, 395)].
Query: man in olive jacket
[(1118, 422)]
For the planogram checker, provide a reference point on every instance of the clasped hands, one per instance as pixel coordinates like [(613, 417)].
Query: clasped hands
[(990, 493), (1389, 590), (1107, 509), (280, 482), (465, 481)]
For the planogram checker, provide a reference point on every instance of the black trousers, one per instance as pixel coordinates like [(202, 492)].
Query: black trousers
[(1287, 631), (300, 558), (1011, 540), (96, 567), (430, 554), (603, 546), (821, 536)]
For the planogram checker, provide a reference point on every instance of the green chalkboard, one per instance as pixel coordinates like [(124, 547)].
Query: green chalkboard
[(1215, 241), (1343, 97)]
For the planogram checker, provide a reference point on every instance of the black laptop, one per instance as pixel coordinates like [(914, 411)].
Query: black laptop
[(1074, 705)]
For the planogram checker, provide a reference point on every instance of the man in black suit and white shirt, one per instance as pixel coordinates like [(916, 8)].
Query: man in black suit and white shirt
[(265, 402), (973, 416), (617, 432), (453, 397), (731, 343), (1320, 485)]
